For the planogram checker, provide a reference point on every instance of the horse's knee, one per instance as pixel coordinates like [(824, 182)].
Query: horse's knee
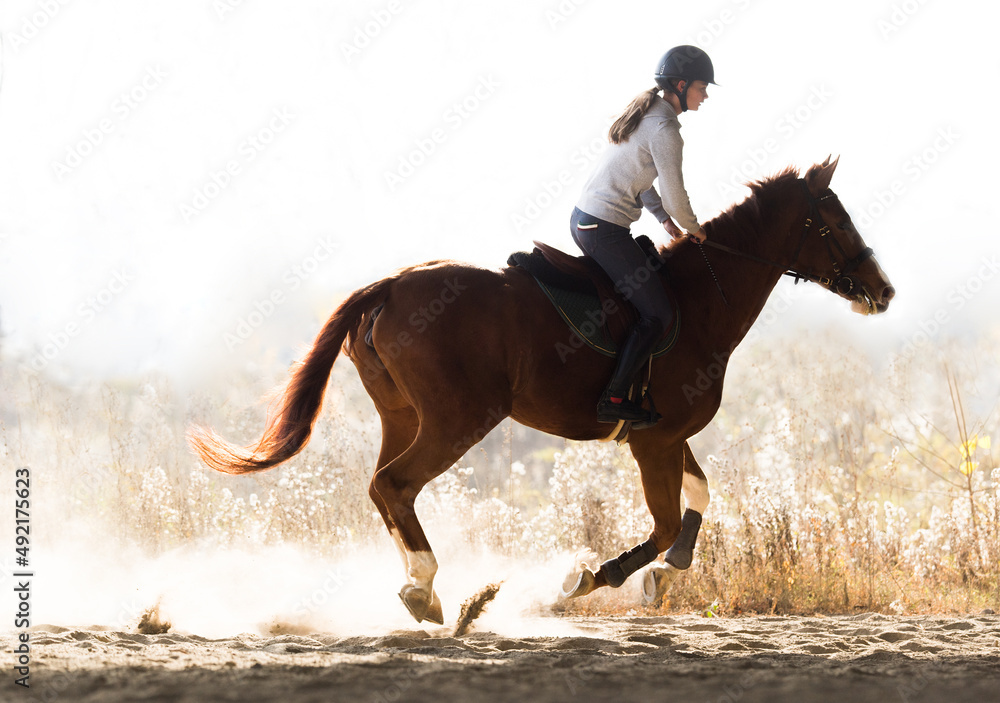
[(386, 495), (383, 487)]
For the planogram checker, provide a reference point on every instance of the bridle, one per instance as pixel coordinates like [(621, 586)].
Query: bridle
[(842, 281)]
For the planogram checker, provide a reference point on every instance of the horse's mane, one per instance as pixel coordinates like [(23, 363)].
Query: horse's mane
[(742, 221)]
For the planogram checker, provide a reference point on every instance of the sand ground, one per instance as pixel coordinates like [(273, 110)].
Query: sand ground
[(848, 659)]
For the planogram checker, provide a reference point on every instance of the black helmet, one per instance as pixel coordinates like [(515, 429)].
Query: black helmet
[(686, 63)]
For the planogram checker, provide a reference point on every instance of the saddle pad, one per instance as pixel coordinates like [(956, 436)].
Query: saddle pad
[(582, 313)]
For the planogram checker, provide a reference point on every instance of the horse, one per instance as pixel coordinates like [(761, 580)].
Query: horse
[(446, 351)]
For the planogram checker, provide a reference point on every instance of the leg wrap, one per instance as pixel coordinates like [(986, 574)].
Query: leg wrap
[(627, 563), (682, 551)]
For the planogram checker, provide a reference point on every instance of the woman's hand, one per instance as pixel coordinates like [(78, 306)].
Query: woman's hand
[(672, 229), (677, 233)]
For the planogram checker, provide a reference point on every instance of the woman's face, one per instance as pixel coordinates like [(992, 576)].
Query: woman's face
[(697, 94)]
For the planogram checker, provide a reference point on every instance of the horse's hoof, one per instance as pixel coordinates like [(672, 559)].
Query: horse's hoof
[(657, 581), (421, 605), (434, 613), (579, 584)]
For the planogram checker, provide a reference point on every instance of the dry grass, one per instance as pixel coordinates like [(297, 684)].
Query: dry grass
[(839, 484)]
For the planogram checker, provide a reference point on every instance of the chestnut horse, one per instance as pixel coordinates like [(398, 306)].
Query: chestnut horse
[(455, 349)]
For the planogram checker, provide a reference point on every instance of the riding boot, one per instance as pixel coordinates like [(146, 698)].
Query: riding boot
[(614, 404)]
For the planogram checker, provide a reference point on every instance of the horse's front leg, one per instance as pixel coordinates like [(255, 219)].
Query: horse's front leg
[(665, 471), (661, 466), (659, 577)]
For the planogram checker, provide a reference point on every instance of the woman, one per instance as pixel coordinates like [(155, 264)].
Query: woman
[(645, 144)]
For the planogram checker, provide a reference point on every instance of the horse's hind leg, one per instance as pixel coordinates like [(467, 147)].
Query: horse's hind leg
[(400, 426), (399, 429), (397, 485)]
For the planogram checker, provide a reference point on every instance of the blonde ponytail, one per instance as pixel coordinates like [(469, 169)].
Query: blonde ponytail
[(628, 121)]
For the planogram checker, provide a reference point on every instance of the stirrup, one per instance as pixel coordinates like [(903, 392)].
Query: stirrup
[(625, 410), (653, 418)]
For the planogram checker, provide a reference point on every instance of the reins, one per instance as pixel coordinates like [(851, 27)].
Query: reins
[(714, 277), (842, 282)]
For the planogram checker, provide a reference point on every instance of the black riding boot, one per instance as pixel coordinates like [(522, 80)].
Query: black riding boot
[(614, 404)]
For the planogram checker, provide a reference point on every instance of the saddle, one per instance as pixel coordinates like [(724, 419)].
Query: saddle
[(586, 298)]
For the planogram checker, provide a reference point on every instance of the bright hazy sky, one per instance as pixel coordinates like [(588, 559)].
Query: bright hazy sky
[(171, 167)]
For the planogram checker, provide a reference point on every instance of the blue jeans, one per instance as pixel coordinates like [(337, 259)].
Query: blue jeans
[(635, 276)]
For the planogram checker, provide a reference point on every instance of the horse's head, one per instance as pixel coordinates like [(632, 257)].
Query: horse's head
[(833, 252)]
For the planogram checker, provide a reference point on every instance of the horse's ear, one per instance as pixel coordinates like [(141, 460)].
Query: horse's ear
[(818, 177)]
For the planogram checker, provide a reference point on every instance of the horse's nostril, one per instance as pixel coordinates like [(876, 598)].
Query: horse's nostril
[(888, 294)]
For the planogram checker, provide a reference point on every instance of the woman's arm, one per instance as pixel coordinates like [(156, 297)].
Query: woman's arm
[(651, 200), (666, 151)]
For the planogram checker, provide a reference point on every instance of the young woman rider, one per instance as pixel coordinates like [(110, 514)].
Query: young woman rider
[(645, 144)]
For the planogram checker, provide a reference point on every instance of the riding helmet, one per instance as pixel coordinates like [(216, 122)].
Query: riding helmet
[(687, 63)]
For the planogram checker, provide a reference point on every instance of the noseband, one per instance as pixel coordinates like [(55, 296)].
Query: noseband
[(842, 281)]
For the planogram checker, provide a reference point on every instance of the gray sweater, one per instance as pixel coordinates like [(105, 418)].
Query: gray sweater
[(623, 181)]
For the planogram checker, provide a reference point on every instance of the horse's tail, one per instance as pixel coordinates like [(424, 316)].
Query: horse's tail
[(288, 429)]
